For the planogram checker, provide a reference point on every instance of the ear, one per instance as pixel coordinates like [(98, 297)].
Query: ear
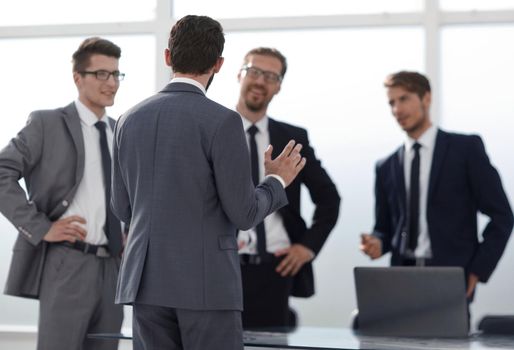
[(218, 64), (167, 57), (76, 78), (427, 99)]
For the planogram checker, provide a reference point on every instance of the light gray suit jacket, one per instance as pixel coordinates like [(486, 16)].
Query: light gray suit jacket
[(182, 177), (49, 154)]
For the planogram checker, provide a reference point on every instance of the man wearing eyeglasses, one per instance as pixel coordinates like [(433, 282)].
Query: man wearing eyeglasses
[(276, 256), (68, 249)]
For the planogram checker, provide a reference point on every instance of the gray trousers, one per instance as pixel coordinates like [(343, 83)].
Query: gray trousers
[(77, 298), (164, 328)]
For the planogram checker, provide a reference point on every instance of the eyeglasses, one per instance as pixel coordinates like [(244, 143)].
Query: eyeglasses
[(255, 73), (104, 75)]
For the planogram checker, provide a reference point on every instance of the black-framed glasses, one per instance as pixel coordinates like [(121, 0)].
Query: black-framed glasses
[(255, 73), (104, 74)]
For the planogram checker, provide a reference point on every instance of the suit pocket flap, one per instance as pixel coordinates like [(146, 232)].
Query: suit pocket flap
[(227, 242)]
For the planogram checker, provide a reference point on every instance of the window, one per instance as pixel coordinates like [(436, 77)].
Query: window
[(477, 75), (272, 8), (470, 5), (36, 12)]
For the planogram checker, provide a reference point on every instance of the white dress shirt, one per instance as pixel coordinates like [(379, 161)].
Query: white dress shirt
[(276, 234), (426, 152), (189, 81), (89, 201)]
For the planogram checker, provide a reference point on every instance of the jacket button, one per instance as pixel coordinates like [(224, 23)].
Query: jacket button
[(65, 203)]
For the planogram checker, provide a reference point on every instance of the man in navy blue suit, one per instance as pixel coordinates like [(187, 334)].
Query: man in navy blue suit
[(429, 191)]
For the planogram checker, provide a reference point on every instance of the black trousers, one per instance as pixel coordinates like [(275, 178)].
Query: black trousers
[(265, 296)]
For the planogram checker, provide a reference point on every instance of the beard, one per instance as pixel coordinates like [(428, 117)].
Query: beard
[(256, 105)]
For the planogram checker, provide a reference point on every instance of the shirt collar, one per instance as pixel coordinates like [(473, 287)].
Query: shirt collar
[(426, 140), (262, 124), (189, 81), (87, 116)]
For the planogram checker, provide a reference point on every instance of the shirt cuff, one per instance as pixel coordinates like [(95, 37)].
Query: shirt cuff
[(279, 178)]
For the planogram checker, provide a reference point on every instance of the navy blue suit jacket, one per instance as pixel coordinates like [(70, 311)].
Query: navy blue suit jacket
[(462, 183), (323, 194)]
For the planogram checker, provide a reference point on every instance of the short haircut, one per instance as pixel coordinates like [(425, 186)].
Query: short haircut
[(195, 44), (411, 81), (93, 46), (268, 51)]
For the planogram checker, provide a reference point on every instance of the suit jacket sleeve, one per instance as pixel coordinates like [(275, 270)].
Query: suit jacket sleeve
[(383, 225), (120, 202), (244, 205), (17, 160), (324, 195), (491, 201)]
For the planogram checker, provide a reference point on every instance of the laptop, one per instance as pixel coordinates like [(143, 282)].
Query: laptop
[(411, 301)]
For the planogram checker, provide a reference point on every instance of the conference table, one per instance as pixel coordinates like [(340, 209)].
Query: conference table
[(343, 338)]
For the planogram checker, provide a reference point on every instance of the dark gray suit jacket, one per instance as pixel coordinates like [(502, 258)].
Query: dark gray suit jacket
[(49, 154), (181, 176)]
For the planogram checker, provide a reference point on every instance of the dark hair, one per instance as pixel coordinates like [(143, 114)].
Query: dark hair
[(195, 44), (410, 81), (268, 51), (93, 46)]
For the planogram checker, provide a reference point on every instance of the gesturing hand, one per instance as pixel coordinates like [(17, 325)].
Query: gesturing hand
[(67, 229), (287, 165)]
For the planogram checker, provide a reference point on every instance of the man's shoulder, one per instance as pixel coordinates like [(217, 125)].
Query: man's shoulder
[(459, 140), (389, 159), (50, 113), (46, 116), (287, 128), (196, 107)]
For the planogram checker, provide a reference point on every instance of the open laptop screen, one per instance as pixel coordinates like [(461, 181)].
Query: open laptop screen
[(412, 301)]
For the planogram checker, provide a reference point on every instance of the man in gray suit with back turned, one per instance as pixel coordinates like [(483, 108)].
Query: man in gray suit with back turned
[(182, 177), (68, 249)]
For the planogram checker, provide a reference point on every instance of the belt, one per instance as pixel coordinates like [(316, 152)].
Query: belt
[(256, 259), (101, 251), (416, 261)]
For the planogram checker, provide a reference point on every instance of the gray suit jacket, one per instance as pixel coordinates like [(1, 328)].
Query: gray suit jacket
[(49, 154), (181, 176)]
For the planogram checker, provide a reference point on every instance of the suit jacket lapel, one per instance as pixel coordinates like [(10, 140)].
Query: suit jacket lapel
[(441, 147), (72, 120), (276, 138)]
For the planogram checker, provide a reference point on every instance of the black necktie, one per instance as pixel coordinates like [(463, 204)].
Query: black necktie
[(261, 233), (414, 199), (112, 225)]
